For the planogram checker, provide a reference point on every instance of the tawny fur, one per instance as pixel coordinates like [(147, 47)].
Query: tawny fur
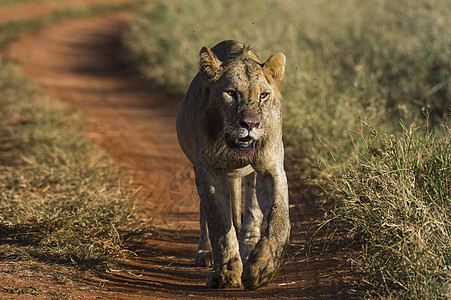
[(235, 98)]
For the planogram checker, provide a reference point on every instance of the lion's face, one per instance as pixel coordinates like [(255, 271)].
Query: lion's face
[(243, 95)]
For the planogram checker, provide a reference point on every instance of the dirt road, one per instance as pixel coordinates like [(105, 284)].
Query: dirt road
[(79, 62)]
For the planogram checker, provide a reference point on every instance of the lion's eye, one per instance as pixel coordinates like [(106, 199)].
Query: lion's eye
[(231, 93), (264, 96)]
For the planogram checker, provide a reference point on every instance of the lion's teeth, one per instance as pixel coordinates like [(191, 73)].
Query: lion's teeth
[(249, 142)]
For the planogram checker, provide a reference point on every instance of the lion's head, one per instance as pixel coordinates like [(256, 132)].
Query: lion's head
[(243, 97)]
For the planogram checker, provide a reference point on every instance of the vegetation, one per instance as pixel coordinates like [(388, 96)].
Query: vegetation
[(396, 198), (61, 200), (7, 3), (356, 71)]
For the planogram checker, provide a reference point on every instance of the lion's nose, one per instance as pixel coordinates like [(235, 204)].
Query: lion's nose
[(249, 123)]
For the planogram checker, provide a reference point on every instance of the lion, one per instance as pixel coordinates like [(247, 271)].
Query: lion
[(230, 127)]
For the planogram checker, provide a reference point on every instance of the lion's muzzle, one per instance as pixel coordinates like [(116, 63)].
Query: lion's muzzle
[(247, 134)]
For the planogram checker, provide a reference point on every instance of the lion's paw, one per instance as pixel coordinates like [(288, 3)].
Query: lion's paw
[(222, 279), (204, 258), (261, 266)]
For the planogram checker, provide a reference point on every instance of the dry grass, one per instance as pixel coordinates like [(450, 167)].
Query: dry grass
[(396, 200)]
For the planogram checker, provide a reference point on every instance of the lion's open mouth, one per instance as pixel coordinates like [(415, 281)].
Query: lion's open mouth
[(243, 143)]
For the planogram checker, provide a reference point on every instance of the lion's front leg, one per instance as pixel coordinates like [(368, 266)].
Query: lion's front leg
[(250, 231), (264, 261), (214, 192)]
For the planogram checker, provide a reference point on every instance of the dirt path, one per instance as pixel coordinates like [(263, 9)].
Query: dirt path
[(78, 62)]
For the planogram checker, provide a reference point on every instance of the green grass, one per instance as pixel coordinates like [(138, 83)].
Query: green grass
[(353, 68), (61, 199)]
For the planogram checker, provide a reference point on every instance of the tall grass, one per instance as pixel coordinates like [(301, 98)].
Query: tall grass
[(396, 197), (351, 65)]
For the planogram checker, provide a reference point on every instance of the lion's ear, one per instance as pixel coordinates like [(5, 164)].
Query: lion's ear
[(274, 67), (210, 65)]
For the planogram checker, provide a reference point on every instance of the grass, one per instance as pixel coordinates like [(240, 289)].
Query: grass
[(35, 291), (12, 3), (356, 71), (31, 290), (61, 199), (396, 198), (8, 3)]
